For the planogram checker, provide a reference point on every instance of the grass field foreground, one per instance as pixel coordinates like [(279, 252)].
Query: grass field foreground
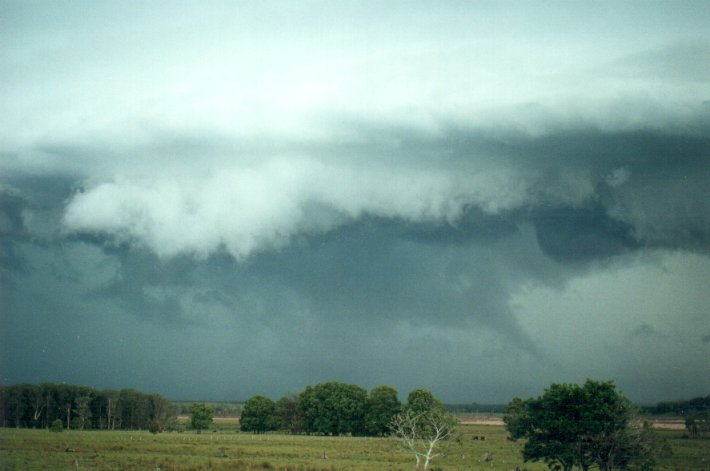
[(225, 449)]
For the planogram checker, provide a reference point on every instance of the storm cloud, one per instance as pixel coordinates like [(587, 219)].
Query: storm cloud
[(482, 199)]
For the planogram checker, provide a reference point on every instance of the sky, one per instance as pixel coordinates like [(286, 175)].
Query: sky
[(215, 200)]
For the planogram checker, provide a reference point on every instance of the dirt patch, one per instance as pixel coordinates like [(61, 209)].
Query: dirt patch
[(668, 424), (480, 420)]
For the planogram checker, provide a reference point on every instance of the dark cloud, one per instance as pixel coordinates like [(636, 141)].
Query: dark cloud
[(367, 300), (582, 234), (477, 210)]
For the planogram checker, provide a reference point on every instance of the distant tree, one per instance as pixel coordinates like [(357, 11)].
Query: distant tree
[(82, 412), (382, 405), (334, 408), (698, 424), (133, 409), (111, 410), (423, 433), (572, 425), (200, 416), (35, 403), (288, 408), (81, 407), (697, 404), (162, 411), (48, 404), (64, 397), (259, 415), (16, 405)]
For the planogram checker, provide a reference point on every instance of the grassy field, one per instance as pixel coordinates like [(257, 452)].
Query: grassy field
[(225, 449)]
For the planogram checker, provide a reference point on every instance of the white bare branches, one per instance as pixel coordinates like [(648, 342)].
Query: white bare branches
[(422, 433)]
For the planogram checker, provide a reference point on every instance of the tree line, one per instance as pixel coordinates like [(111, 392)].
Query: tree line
[(83, 407), (681, 408), (333, 408)]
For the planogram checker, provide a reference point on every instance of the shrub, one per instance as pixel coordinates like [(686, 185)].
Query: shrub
[(56, 426), (154, 426)]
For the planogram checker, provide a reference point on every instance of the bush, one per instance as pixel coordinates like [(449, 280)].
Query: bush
[(56, 426), (154, 426)]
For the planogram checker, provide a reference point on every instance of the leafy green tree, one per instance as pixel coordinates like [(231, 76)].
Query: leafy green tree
[(81, 407), (162, 411), (259, 415), (382, 405), (290, 413), (334, 408), (200, 416), (572, 425), (422, 400), (134, 409)]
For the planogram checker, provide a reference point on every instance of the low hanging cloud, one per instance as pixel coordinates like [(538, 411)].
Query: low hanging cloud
[(251, 209), (601, 191)]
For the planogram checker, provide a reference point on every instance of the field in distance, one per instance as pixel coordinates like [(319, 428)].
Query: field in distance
[(222, 448)]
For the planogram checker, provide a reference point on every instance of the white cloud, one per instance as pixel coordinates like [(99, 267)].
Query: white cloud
[(251, 208)]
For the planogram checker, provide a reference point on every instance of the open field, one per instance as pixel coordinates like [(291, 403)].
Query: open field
[(224, 449)]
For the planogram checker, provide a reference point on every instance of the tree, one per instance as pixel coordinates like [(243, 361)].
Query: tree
[(422, 400), (698, 424), (334, 408), (200, 416), (572, 425), (423, 433), (110, 398), (81, 407), (259, 415), (82, 412), (162, 411), (382, 405), (64, 397), (155, 427), (290, 413)]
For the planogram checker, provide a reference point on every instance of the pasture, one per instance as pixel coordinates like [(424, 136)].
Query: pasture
[(223, 448)]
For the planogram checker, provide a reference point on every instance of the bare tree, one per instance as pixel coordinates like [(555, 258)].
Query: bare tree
[(423, 433)]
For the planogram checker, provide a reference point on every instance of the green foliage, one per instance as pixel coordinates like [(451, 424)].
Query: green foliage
[(572, 425), (56, 426), (200, 416), (422, 400), (259, 415), (382, 405), (290, 413), (334, 408), (155, 427), (81, 407), (82, 412)]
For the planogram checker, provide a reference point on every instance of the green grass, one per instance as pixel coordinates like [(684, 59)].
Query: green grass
[(223, 449)]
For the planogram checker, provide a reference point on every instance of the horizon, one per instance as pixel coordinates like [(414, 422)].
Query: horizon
[(402, 395)]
